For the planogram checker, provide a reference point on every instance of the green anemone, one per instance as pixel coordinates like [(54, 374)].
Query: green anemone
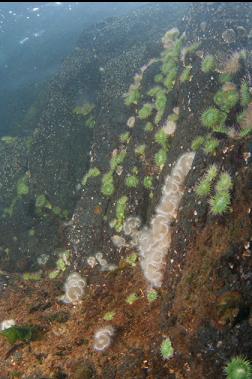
[(238, 368), (208, 64), (220, 203), (197, 143), (213, 117), (133, 97), (161, 157), (107, 188), (226, 100), (224, 183), (158, 78), (211, 145), (161, 138), (186, 74), (131, 181), (166, 349), (245, 94), (203, 188), (148, 182), (145, 111)]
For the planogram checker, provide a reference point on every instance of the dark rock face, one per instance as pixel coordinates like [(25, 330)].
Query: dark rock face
[(99, 72)]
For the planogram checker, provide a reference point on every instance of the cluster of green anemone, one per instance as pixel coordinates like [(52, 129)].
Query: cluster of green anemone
[(221, 200), (226, 100), (204, 187)]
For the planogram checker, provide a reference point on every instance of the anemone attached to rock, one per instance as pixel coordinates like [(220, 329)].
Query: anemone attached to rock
[(238, 368), (213, 117)]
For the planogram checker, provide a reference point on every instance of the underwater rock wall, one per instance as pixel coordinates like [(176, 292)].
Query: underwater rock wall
[(61, 133)]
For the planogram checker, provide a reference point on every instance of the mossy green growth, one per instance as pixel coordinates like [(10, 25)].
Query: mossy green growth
[(245, 94), (107, 188), (146, 111), (132, 298), (42, 202), (121, 207), (132, 259), (238, 368), (226, 100), (92, 173), (186, 74), (161, 157), (224, 183), (169, 65), (225, 78), (152, 295), (158, 117), (131, 181), (208, 64), (140, 149), (211, 145), (246, 132), (133, 97), (161, 138), (109, 316), (148, 182), (158, 78), (197, 143), (22, 186), (220, 203), (153, 92), (241, 117), (18, 333), (191, 49), (213, 117), (117, 159), (134, 170), (33, 276), (124, 137), (84, 109), (148, 127), (90, 122), (170, 79), (9, 140), (161, 101), (166, 349)]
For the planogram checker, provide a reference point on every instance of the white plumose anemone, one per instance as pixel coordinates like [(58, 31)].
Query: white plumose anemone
[(102, 338), (154, 242), (74, 288)]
